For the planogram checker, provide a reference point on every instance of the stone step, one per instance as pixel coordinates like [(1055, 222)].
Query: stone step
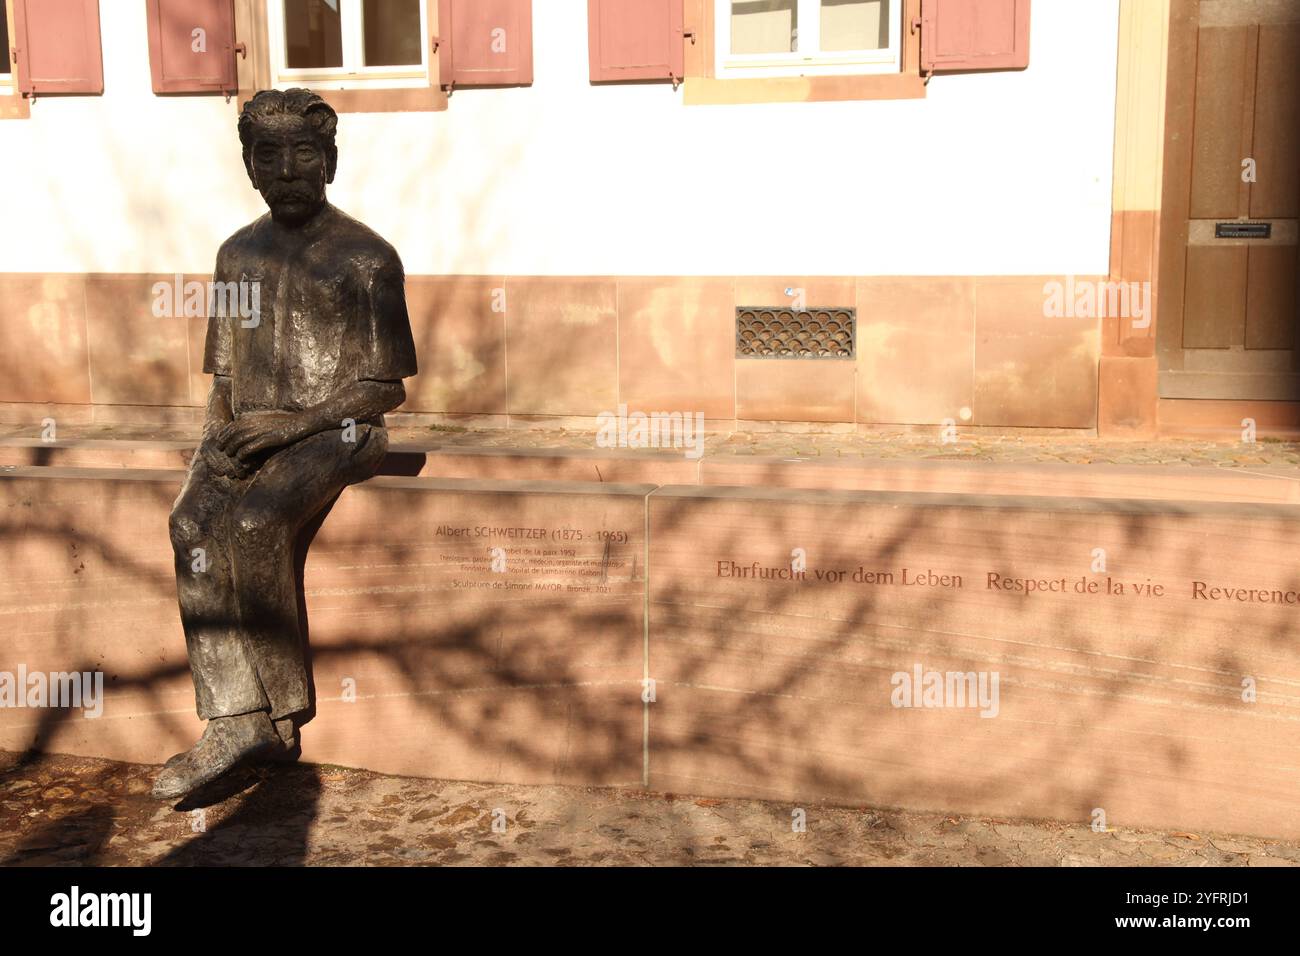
[(1259, 483)]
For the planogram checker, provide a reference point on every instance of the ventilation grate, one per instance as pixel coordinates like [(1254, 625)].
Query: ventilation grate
[(763, 332)]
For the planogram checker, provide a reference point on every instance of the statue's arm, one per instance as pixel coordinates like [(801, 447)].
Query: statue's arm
[(217, 349), (220, 411), (256, 432), (357, 401)]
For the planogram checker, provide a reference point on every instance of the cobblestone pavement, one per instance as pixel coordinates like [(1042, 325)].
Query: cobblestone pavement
[(57, 810), (898, 444)]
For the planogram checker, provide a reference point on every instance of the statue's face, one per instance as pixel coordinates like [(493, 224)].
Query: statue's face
[(289, 169)]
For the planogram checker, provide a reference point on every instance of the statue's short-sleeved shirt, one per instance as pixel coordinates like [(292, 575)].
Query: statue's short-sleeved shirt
[(329, 309)]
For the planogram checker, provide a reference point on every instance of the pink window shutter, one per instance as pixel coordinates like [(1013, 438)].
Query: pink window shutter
[(184, 61), (57, 46), (961, 35), (485, 42), (635, 40)]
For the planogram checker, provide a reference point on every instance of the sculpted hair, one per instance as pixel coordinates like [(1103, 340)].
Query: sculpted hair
[(267, 104)]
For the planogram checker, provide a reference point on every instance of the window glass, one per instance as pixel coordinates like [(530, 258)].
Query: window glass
[(855, 24), (392, 32), (313, 36), (764, 26)]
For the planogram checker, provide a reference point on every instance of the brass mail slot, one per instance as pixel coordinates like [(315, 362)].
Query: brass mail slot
[(1243, 230)]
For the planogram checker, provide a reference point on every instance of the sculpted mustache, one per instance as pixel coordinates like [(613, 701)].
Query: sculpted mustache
[(281, 193)]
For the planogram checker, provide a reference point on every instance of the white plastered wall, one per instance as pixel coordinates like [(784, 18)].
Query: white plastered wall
[(990, 174)]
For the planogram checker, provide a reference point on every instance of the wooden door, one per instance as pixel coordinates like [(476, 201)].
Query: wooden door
[(1228, 304)]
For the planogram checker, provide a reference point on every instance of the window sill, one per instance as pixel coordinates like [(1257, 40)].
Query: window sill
[(413, 99), (707, 91)]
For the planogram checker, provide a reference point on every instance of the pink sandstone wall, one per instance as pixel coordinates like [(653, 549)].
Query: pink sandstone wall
[(529, 675), (977, 350), (1132, 703)]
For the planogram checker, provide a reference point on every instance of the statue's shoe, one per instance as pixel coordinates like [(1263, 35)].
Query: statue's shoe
[(175, 759), (288, 751), (225, 742)]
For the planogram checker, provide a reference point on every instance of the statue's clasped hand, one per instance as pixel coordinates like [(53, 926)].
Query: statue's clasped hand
[(253, 433), (221, 463)]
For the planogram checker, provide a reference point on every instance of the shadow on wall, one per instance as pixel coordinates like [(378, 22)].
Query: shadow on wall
[(549, 686)]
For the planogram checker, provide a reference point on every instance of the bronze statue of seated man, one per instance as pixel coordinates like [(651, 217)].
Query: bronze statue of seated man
[(295, 414)]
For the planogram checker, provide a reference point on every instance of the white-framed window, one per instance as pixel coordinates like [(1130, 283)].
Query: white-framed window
[(807, 37), (338, 44)]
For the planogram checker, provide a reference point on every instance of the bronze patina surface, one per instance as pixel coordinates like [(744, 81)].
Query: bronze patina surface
[(295, 414)]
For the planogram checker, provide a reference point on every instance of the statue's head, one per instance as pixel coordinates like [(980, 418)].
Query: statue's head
[(289, 151)]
